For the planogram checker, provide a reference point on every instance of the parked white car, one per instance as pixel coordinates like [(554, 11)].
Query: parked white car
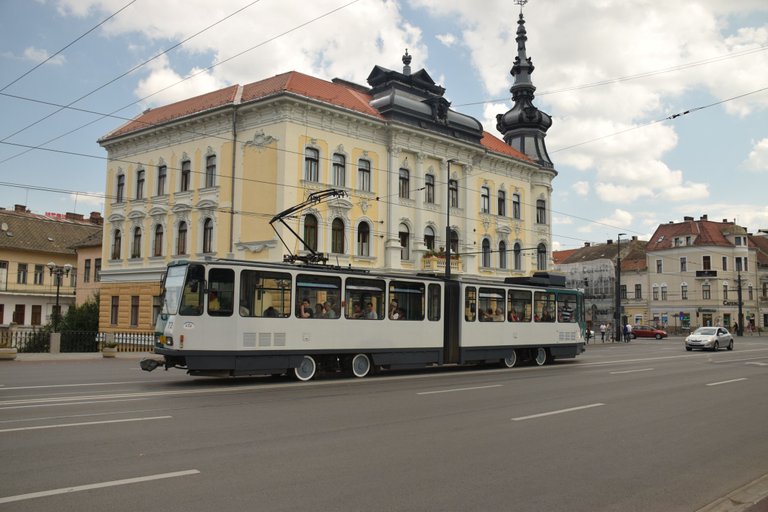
[(711, 338)]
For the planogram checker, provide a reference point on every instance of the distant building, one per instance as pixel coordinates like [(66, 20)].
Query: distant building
[(201, 178), (28, 242), (89, 267)]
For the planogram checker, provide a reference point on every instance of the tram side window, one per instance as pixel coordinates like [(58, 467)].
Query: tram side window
[(265, 294), (364, 299), (519, 305), (491, 305), (221, 291), (317, 296), (470, 303), (406, 300), (433, 302), (192, 295), (566, 307), (544, 306)]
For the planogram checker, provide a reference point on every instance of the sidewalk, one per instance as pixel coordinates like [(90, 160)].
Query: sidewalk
[(74, 356)]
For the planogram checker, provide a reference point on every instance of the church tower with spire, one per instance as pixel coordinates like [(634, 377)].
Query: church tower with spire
[(524, 126)]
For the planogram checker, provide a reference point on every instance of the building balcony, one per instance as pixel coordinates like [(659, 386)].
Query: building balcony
[(706, 274), (437, 264)]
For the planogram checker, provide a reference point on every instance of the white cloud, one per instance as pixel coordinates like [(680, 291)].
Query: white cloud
[(581, 188), (618, 220), (446, 39), (37, 56), (758, 157)]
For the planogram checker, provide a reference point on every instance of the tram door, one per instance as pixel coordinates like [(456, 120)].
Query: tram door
[(452, 323), (220, 305)]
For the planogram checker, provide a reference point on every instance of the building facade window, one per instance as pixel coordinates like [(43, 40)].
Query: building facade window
[(664, 292), (518, 255), (486, 246), (162, 175), (541, 257), (337, 236), (502, 203), (683, 264), (405, 236), (136, 249), (186, 176), (516, 206), (157, 246), (405, 184), (429, 238), (311, 165), (210, 171), (97, 270), (541, 211), (310, 231), (750, 293), (117, 241), (134, 311), (339, 170), (638, 291), (364, 175), (454, 243), (114, 310), (363, 239), (706, 263), (429, 189), (655, 293), (485, 200), (453, 192), (181, 239), (623, 292), (87, 271), (725, 291), (684, 291), (37, 315), (208, 235), (39, 273), (659, 266), (140, 178), (120, 192), (502, 254), (706, 292)]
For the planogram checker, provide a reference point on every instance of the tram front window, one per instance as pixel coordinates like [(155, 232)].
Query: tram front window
[(192, 294), (174, 284)]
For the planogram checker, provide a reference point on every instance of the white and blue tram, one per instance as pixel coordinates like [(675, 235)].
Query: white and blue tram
[(227, 317)]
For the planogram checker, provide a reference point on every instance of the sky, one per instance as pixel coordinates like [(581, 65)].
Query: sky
[(660, 109)]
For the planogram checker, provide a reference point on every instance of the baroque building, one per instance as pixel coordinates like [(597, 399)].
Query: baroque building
[(205, 176)]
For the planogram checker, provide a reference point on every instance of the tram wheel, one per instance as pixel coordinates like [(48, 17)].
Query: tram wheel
[(306, 369), (361, 365), (510, 361), (542, 356)]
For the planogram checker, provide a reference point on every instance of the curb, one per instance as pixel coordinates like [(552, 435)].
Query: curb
[(742, 499)]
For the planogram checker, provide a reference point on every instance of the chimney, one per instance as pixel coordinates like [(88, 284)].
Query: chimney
[(610, 242), (96, 218), (687, 218), (703, 217), (634, 237), (74, 216), (725, 221), (587, 244), (20, 208)]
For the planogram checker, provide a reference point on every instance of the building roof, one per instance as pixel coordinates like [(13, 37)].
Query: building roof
[(703, 232), (22, 230), (632, 254), (560, 256), (761, 244), (337, 93)]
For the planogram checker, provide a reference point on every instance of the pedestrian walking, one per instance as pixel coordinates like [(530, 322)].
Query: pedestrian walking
[(602, 332)]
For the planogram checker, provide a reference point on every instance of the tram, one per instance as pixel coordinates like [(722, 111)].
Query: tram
[(237, 318)]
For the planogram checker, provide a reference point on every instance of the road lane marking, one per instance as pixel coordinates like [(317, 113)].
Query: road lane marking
[(100, 485), (71, 403), (726, 381), (757, 363), (85, 423), (561, 411), (633, 371), (71, 385), (459, 389)]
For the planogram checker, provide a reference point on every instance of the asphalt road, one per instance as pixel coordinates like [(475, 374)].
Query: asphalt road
[(624, 427)]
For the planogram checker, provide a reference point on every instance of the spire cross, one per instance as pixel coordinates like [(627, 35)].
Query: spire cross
[(521, 3)]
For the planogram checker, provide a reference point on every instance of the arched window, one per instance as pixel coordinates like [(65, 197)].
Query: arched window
[(485, 200), (364, 175), (157, 249), (162, 175), (339, 170), (337, 236), (140, 178), (311, 165), (210, 172), (405, 236), (116, 243), (502, 255), (363, 239), (454, 243), (181, 239), (429, 238), (486, 253), (136, 251), (429, 189), (310, 231), (541, 257), (518, 255), (405, 181), (208, 235), (186, 176), (541, 212), (120, 192), (502, 203), (453, 192)]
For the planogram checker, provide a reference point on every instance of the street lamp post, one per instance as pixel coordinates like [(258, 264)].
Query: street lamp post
[(59, 272), (448, 222), (740, 330), (617, 315)]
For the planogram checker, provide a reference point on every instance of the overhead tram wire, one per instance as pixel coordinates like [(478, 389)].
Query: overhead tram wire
[(627, 78), (176, 83), (68, 45)]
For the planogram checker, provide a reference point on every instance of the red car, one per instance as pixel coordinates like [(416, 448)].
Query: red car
[(644, 331)]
